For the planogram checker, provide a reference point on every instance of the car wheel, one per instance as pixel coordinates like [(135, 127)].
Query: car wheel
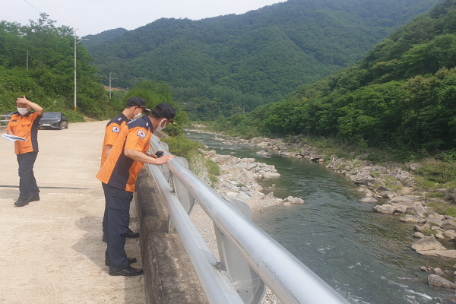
[(61, 126), (66, 125)]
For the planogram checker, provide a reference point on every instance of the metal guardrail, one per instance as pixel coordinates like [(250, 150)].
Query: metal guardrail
[(5, 120), (240, 242)]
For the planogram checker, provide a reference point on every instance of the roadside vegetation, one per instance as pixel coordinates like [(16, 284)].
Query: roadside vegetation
[(205, 169)]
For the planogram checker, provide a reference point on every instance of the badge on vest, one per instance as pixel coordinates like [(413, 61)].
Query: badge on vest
[(115, 129), (142, 134)]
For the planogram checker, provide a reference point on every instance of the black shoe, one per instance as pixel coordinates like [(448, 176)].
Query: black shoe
[(22, 201), (34, 198), (126, 272), (132, 235), (130, 261), (105, 237)]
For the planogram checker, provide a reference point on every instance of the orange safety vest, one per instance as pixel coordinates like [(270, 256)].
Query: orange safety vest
[(25, 126), (112, 132), (118, 170)]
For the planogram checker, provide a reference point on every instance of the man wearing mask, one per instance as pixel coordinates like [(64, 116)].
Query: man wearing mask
[(136, 106), (118, 175), (24, 123)]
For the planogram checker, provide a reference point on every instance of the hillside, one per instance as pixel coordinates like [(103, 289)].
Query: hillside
[(91, 40), (401, 95), (220, 65)]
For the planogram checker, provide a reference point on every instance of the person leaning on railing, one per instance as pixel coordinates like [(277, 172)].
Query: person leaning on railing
[(24, 123), (134, 109), (118, 175)]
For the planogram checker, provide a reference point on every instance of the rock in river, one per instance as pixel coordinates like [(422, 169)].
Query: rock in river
[(427, 244), (369, 200), (385, 208), (437, 281)]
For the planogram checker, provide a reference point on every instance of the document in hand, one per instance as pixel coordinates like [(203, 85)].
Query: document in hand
[(13, 137)]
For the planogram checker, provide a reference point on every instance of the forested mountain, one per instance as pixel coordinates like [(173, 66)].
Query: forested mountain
[(220, 65), (402, 94), (91, 40)]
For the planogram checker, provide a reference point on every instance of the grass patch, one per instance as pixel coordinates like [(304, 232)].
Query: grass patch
[(451, 211), (212, 167), (213, 179), (428, 231), (434, 195), (438, 171), (182, 146), (442, 207), (436, 174)]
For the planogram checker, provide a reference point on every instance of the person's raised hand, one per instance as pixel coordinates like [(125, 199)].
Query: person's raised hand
[(22, 101)]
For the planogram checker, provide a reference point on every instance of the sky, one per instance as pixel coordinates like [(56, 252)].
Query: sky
[(95, 16)]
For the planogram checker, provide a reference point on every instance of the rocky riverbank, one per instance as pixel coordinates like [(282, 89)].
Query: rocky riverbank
[(238, 179), (391, 188)]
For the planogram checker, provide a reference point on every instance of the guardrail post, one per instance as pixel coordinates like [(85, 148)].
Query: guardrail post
[(181, 192), (245, 280)]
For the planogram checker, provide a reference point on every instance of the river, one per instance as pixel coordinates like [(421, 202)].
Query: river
[(364, 255)]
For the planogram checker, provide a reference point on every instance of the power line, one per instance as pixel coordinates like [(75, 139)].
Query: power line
[(32, 6)]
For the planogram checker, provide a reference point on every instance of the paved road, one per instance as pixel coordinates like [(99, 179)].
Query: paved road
[(51, 250)]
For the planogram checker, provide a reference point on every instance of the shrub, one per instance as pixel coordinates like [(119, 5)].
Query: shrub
[(182, 146)]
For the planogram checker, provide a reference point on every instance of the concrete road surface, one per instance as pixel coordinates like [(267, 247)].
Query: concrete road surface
[(51, 250)]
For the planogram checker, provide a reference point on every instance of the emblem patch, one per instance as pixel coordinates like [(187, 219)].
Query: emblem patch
[(115, 129), (142, 134)]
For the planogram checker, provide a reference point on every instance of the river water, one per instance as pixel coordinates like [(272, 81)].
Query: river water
[(364, 255)]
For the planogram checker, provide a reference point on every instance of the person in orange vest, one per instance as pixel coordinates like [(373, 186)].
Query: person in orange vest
[(118, 176), (135, 108), (24, 123)]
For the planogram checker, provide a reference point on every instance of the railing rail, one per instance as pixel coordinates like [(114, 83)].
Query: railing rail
[(289, 279), (5, 120)]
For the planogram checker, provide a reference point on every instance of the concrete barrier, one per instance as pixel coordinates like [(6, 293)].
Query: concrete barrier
[(168, 274)]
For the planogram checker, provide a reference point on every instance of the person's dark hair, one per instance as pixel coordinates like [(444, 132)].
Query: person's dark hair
[(157, 114), (163, 110)]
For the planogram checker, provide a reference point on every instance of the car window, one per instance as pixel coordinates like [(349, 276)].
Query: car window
[(51, 115)]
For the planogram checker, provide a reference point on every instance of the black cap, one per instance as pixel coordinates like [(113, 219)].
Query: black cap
[(164, 110), (138, 102)]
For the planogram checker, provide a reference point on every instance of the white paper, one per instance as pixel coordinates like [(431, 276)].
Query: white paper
[(13, 137)]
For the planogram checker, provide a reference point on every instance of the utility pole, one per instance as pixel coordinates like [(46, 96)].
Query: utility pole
[(75, 42), (110, 78), (26, 65)]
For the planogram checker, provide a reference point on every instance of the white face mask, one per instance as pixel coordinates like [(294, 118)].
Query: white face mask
[(22, 111), (159, 128), (138, 116)]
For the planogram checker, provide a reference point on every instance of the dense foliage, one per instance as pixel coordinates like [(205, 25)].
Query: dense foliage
[(154, 93), (402, 94), (230, 64), (49, 78)]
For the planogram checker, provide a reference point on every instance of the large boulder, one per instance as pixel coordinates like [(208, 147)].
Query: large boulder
[(427, 244), (243, 195), (449, 224), (385, 208), (416, 210), (437, 281), (447, 254), (411, 219), (270, 175), (405, 200), (293, 200), (387, 194), (451, 234), (369, 200)]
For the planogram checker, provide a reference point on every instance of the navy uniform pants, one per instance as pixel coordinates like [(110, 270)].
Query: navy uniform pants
[(117, 220), (27, 181)]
